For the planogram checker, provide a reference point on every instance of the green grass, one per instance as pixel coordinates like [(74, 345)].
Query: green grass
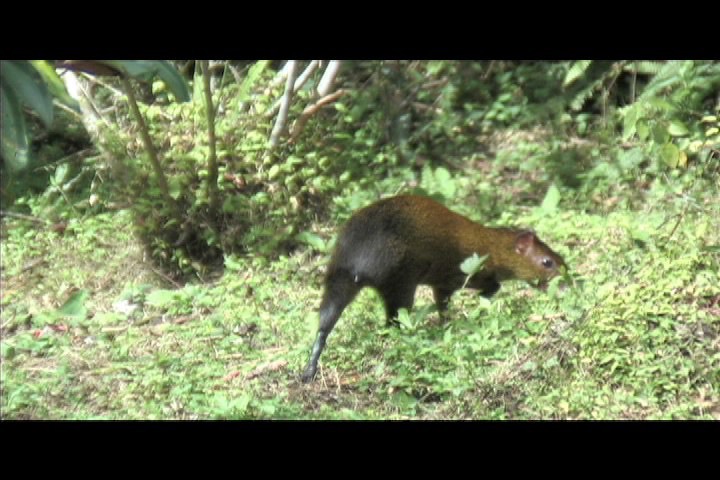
[(91, 331)]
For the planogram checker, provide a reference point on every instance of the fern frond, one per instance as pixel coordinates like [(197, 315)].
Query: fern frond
[(583, 95), (666, 77), (644, 67), (576, 71)]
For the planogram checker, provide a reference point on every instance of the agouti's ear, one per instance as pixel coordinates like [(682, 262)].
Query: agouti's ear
[(524, 241)]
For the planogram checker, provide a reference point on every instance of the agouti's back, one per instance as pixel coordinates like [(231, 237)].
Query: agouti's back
[(401, 242)]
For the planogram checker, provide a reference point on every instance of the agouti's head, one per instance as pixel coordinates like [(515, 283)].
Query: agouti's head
[(539, 263)]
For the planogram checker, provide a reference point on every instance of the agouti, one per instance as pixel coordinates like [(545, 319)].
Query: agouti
[(401, 242)]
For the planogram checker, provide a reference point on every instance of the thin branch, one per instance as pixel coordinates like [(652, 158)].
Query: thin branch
[(212, 190), (281, 75), (301, 80), (161, 274), (328, 78), (312, 110), (303, 77), (285, 106), (102, 83), (149, 147), (236, 73), (90, 112), (21, 216)]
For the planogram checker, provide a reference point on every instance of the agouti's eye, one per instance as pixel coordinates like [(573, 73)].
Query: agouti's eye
[(547, 262)]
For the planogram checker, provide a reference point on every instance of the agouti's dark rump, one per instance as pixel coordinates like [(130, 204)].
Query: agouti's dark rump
[(401, 242)]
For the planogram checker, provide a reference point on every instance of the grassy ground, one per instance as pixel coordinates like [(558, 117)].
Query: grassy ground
[(90, 330)]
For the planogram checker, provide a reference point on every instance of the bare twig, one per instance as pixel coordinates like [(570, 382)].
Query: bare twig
[(311, 110), (281, 75), (159, 273), (32, 264), (69, 110), (65, 197), (236, 73), (90, 112), (268, 367), (114, 329), (680, 218), (97, 80), (489, 70), (301, 79), (22, 216)]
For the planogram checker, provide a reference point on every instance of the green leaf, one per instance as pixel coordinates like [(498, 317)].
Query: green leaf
[(160, 298), (660, 134), (251, 78), (75, 305), (273, 172), (175, 188), (472, 265), (311, 239), (677, 129), (630, 119), (445, 182), (629, 159), (682, 159), (60, 173), (645, 67), (27, 85), (147, 69), (551, 200), (670, 155), (13, 133), (575, 71), (133, 68), (55, 84)]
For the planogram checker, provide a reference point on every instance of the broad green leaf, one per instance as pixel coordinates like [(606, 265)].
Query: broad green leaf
[(60, 173), (660, 134), (134, 68), (472, 265), (677, 129), (55, 83), (75, 305), (551, 200), (175, 82), (13, 134), (682, 159), (670, 155), (630, 159), (27, 85), (147, 69), (273, 172)]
